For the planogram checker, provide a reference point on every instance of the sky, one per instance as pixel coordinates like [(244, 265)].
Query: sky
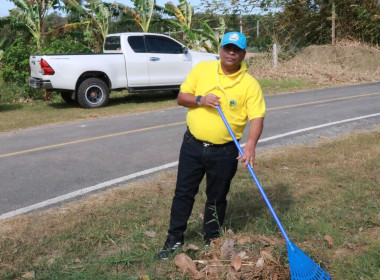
[(6, 5)]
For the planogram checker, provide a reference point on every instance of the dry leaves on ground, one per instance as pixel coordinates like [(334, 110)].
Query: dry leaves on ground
[(187, 266), (190, 247), (234, 258)]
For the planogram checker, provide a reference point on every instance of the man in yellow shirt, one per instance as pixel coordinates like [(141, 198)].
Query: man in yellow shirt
[(207, 146)]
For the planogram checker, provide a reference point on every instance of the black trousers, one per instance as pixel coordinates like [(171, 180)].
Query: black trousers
[(219, 163)]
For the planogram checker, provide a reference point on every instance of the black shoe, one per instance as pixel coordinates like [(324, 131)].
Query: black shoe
[(171, 244), (208, 240), (207, 243)]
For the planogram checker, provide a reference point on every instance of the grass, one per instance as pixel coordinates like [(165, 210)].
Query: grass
[(274, 86), (26, 114), (329, 188)]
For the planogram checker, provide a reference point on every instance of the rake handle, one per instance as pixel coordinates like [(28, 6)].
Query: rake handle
[(254, 177)]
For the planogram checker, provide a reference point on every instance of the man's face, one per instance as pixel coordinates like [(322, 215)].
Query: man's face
[(231, 55)]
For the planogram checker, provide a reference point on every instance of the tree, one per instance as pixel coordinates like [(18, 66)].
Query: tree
[(211, 39), (201, 38), (32, 13), (308, 22), (141, 13), (183, 12), (94, 12), (223, 7), (182, 21)]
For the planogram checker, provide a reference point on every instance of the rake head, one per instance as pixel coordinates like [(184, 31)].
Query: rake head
[(302, 267)]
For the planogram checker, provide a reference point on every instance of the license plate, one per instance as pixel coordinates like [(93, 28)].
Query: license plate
[(34, 83)]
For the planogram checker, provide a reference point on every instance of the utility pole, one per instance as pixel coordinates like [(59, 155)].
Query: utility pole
[(241, 23), (275, 58), (257, 29), (333, 23)]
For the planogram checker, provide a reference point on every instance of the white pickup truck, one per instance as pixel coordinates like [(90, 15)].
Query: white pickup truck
[(132, 61)]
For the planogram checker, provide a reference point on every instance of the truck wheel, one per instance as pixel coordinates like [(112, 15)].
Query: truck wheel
[(66, 96), (93, 93)]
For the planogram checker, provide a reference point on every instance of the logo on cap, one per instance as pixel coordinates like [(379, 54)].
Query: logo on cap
[(234, 37)]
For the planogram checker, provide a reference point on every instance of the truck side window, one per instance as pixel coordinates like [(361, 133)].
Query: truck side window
[(137, 44), (156, 44), (112, 43)]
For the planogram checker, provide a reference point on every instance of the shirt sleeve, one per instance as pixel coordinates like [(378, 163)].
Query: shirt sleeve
[(255, 102)]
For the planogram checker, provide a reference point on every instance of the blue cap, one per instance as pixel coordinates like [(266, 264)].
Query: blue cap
[(235, 38)]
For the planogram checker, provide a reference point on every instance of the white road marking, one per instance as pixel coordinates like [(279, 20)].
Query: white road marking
[(316, 127), (152, 170), (85, 190)]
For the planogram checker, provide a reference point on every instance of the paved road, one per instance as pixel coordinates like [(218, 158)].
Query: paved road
[(39, 165)]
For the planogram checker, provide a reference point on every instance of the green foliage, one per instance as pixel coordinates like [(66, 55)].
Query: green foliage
[(142, 12), (64, 45), (95, 16), (15, 61), (32, 15), (15, 64), (15, 71)]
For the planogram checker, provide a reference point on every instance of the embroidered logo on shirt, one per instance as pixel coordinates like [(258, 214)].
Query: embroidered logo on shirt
[(232, 102)]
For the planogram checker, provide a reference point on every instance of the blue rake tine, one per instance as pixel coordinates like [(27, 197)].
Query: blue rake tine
[(301, 266)]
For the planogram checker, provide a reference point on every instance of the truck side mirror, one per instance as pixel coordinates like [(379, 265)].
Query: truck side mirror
[(185, 50)]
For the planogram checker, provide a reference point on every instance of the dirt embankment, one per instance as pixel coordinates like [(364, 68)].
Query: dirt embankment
[(326, 65)]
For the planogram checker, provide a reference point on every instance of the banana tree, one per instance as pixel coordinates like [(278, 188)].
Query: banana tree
[(94, 12), (204, 38), (31, 13), (182, 21), (211, 40), (142, 12), (183, 12)]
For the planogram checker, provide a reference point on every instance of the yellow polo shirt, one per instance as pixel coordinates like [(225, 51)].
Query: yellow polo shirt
[(240, 95)]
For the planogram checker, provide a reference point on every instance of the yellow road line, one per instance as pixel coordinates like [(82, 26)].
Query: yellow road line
[(172, 124), (88, 139), (323, 101)]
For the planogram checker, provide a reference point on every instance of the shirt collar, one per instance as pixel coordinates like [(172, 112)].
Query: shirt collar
[(243, 68)]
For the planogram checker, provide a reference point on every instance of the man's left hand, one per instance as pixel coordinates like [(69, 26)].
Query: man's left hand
[(249, 155)]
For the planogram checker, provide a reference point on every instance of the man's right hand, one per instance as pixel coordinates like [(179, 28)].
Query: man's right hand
[(210, 100)]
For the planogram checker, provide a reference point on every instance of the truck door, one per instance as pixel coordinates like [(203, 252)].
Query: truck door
[(136, 62), (167, 62)]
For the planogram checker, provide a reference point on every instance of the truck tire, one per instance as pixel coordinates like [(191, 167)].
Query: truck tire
[(93, 93), (66, 96)]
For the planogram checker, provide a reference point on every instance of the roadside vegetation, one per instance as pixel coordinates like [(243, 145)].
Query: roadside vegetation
[(70, 26), (326, 195)]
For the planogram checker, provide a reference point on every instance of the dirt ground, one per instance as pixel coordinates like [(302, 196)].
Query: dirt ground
[(327, 65)]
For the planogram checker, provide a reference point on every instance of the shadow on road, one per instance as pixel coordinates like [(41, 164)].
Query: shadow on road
[(119, 98), (142, 97)]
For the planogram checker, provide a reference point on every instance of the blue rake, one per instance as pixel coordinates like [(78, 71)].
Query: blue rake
[(301, 266)]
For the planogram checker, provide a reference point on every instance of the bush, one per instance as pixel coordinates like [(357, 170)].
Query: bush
[(10, 92), (15, 71), (15, 65), (63, 46)]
